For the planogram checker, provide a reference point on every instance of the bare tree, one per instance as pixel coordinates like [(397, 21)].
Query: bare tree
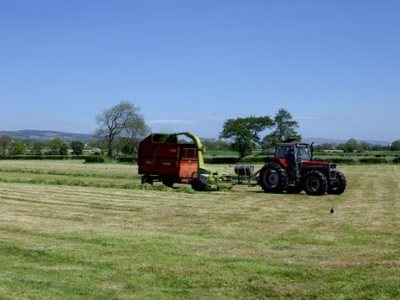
[(121, 120)]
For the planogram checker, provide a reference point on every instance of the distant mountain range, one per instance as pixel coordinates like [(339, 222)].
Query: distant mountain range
[(47, 135), (65, 136)]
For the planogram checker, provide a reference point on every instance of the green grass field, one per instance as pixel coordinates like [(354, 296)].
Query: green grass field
[(93, 240)]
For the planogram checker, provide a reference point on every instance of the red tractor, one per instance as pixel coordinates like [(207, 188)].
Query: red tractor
[(293, 169)]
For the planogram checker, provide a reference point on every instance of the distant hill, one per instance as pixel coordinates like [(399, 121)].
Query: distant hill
[(44, 135), (319, 141)]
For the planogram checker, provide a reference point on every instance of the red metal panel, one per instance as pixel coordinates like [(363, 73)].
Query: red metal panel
[(166, 167), (167, 151), (188, 169)]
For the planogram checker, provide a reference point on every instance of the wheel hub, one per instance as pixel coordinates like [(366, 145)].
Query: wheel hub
[(272, 179), (313, 184)]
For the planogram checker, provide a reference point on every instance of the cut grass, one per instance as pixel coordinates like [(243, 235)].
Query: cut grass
[(62, 242)]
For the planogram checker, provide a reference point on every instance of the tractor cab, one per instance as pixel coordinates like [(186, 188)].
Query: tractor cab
[(294, 152)]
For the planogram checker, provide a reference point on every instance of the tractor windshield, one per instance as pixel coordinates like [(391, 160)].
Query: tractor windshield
[(282, 151), (303, 152)]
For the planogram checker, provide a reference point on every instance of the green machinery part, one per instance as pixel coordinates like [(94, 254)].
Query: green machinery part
[(210, 180)]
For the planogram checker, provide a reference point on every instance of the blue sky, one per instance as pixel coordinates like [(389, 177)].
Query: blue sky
[(189, 65)]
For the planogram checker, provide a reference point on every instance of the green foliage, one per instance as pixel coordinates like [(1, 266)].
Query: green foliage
[(77, 147), (18, 148), (244, 132), (5, 144), (396, 160), (350, 146), (127, 159), (285, 127), (63, 149), (372, 160), (215, 145), (94, 159), (337, 160), (395, 146), (38, 147), (55, 146)]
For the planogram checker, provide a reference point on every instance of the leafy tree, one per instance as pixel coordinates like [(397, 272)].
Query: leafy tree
[(325, 146), (351, 145), (121, 120), (364, 146), (395, 146), (38, 147), (77, 147), (58, 147), (64, 149), (18, 148), (244, 132), (285, 127), (5, 144)]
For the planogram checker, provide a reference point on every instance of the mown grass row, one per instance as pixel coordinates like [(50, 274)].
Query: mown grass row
[(61, 242), (63, 173), (91, 183)]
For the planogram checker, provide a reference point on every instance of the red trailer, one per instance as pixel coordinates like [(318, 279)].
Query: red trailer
[(163, 158)]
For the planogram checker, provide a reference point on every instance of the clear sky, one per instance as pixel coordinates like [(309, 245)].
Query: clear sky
[(189, 64)]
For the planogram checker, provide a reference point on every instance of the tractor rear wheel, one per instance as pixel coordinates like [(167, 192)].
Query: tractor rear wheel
[(273, 178), (340, 185), (315, 183)]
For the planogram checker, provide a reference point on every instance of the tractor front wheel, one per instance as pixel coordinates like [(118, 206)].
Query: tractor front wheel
[(340, 185), (273, 178), (315, 183)]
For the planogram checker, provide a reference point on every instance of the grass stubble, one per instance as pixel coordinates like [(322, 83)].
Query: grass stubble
[(82, 242)]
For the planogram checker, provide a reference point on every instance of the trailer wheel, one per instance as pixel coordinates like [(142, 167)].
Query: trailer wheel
[(340, 185), (273, 178), (197, 185), (146, 178), (315, 183), (168, 182)]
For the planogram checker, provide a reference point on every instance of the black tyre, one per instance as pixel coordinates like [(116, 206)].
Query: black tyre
[(340, 185), (315, 183), (197, 185), (294, 189), (168, 182), (146, 178), (273, 178)]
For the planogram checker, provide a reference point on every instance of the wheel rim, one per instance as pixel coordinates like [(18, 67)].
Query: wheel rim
[(271, 179), (313, 184)]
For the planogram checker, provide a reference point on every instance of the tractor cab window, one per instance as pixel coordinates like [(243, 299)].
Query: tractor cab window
[(282, 151), (303, 153)]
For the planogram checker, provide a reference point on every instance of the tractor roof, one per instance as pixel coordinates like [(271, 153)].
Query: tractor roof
[(292, 144)]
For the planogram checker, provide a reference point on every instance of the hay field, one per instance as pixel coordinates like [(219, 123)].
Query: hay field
[(89, 240)]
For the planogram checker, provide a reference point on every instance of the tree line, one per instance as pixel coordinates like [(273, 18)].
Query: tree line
[(122, 127), (33, 147), (124, 122)]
